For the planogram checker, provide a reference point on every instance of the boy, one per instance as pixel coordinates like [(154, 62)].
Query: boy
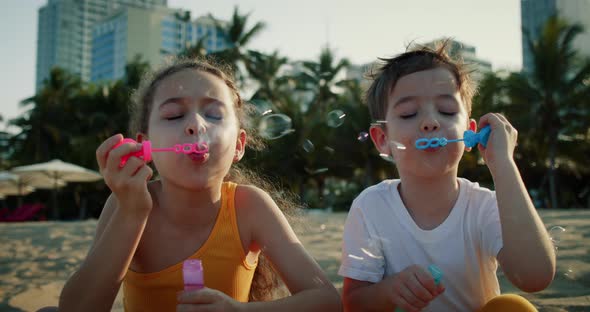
[(397, 228)]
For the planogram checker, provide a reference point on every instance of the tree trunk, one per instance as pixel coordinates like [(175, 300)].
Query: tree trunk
[(551, 173)]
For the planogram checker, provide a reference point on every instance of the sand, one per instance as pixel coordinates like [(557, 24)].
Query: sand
[(37, 258)]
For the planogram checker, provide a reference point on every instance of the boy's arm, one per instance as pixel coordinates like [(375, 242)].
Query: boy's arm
[(363, 296), (411, 290), (527, 256)]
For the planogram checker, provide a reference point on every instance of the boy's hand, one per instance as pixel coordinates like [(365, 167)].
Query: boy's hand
[(411, 289), (206, 299), (501, 143), (129, 183)]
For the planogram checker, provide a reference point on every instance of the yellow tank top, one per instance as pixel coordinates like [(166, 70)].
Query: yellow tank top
[(224, 264)]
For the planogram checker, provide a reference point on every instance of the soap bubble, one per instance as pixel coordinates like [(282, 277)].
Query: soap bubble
[(274, 126)]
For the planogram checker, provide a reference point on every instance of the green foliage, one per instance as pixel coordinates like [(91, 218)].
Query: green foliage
[(68, 119)]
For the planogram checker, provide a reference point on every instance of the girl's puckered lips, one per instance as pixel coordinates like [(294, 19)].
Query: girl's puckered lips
[(198, 157)]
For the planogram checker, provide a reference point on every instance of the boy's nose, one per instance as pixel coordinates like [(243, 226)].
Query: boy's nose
[(430, 124)]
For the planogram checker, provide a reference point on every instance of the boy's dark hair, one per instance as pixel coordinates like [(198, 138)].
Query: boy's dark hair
[(390, 70)]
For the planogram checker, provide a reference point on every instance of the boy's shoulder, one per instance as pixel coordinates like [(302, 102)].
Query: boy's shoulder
[(475, 189), (380, 191)]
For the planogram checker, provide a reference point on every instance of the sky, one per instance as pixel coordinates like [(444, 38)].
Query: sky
[(358, 30)]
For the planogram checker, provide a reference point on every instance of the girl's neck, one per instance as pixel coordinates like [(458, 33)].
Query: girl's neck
[(190, 207), (429, 200)]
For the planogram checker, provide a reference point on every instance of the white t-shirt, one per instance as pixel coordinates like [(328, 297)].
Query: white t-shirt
[(382, 239)]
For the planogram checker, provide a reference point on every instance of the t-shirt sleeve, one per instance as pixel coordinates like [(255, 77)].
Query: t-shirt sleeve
[(362, 257), (491, 226)]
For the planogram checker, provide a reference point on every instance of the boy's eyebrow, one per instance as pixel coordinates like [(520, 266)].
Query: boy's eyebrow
[(411, 98), (404, 99), (447, 96)]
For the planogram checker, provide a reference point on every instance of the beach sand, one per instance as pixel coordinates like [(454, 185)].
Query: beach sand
[(37, 258)]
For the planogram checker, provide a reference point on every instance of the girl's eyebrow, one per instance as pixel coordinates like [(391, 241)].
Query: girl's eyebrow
[(182, 100), (176, 100)]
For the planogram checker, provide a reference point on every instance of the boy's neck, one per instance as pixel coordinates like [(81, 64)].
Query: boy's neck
[(429, 201)]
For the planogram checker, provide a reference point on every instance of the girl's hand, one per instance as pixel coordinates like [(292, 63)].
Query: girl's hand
[(501, 143), (411, 289), (206, 299), (129, 183)]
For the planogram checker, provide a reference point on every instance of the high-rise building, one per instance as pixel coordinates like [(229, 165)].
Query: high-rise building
[(64, 34), (151, 33), (534, 14)]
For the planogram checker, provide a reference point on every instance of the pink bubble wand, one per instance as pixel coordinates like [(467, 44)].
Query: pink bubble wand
[(146, 151)]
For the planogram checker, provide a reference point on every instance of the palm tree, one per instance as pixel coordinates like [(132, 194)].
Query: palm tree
[(238, 36), (321, 78), (198, 50), (266, 70), (44, 134), (549, 104)]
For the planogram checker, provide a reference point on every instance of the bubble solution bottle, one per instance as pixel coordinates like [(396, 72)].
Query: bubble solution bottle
[(192, 274)]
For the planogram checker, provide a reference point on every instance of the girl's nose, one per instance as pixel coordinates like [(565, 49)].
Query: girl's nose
[(195, 126)]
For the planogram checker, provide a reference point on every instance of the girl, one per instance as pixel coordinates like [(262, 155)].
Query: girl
[(147, 229)]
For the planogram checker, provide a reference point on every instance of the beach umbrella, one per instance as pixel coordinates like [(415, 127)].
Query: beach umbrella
[(12, 184), (59, 172), (12, 190)]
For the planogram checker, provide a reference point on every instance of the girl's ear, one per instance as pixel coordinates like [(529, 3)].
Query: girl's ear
[(240, 145), (379, 138), (473, 127), (141, 137)]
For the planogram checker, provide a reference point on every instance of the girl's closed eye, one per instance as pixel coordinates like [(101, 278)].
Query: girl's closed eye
[(448, 113), (407, 115), (175, 117), (214, 116)]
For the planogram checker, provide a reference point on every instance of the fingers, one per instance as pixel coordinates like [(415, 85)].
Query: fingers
[(115, 155), (144, 173), (196, 308), (409, 294), (205, 295), (428, 289), (203, 300), (491, 119), (103, 150)]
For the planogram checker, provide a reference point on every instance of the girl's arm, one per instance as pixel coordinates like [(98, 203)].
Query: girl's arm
[(94, 286), (527, 256), (96, 283), (310, 288)]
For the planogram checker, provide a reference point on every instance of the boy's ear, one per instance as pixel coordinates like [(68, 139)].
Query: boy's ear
[(379, 138), (240, 145), (473, 127), (139, 137)]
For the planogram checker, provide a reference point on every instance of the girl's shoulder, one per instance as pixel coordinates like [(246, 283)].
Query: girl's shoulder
[(251, 198)]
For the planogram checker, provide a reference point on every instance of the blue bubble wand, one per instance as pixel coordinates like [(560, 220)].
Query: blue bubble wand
[(470, 139)]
